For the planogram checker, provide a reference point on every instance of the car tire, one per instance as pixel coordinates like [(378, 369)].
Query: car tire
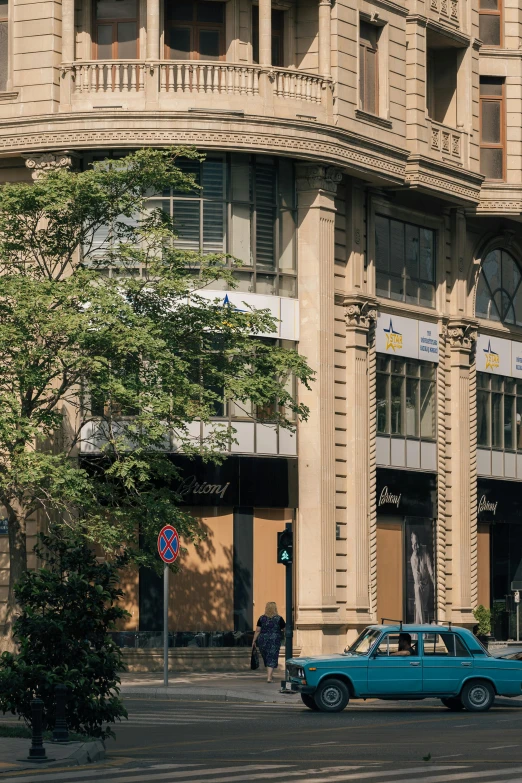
[(477, 696), (454, 704), (309, 702), (331, 696)]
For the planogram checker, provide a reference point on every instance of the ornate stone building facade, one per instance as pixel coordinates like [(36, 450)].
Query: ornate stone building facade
[(365, 161)]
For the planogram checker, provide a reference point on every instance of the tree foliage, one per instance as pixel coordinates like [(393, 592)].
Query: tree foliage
[(66, 609), (123, 363)]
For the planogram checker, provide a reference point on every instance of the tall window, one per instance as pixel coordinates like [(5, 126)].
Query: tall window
[(405, 261), (368, 68), (278, 29), (194, 30), (499, 295), (245, 207), (492, 128), (4, 45), (405, 397), (490, 22), (499, 412), (116, 30)]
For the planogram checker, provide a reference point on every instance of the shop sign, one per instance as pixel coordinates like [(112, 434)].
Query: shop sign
[(284, 310), (261, 482), (398, 336), (4, 526), (499, 501), (498, 356), (406, 493)]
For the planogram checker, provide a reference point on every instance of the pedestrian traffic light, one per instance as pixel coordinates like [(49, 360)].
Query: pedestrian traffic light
[(285, 547)]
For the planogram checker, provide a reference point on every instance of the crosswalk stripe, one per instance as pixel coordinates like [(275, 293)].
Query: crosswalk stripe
[(52, 776), (175, 774), (426, 770)]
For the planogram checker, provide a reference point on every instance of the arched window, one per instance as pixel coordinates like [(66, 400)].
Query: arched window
[(499, 295)]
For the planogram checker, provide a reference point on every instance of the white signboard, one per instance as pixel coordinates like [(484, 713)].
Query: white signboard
[(283, 309), (516, 360), (398, 336), (493, 355)]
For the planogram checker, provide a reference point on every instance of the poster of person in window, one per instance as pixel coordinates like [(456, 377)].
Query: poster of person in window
[(420, 572)]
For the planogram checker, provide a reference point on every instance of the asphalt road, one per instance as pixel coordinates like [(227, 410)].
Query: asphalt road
[(372, 742)]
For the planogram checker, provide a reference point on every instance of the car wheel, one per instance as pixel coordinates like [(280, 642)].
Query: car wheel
[(453, 704), (309, 702), (477, 696), (332, 696)]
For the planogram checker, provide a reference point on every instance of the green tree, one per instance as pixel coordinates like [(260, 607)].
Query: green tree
[(126, 361), (67, 607)]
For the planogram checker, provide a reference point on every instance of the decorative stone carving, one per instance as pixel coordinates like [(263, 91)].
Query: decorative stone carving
[(318, 178), (360, 312), (42, 163), (462, 334)]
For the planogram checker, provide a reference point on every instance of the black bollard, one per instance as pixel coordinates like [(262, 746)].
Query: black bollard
[(60, 732), (37, 751)]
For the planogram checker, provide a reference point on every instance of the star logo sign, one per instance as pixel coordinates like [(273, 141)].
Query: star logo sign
[(393, 338), (492, 358)]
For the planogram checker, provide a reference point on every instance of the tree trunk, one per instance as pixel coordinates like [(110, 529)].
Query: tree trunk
[(16, 515)]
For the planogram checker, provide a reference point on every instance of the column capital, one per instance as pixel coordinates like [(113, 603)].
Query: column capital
[(360, 311), (462, 334), (318, 177), (40, 163)]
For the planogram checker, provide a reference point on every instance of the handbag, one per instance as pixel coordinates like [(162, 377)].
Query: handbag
[(254, 659)]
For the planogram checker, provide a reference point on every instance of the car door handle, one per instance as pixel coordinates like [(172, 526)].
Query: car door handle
[(414, 663), (465, 663)]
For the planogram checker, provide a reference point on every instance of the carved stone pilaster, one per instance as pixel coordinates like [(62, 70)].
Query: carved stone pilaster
[(360, 312), (462, 334), (40, 163), (318, 178), (462, 467)]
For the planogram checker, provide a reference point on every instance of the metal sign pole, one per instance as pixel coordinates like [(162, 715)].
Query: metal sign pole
[(166, 625)]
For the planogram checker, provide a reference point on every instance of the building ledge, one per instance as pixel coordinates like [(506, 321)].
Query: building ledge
[(500, 198), (443, 179), (374, 119)]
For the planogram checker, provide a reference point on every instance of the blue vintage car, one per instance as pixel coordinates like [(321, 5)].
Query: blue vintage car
[(406, 662)]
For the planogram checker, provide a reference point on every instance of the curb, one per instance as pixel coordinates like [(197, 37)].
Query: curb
[(86, 753), (205, 694)]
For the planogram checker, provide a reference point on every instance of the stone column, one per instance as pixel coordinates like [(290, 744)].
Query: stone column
[(153, 30), (361, 314), (325, 45), (265, 33), (68, 33), (462, 474), (317, 610)]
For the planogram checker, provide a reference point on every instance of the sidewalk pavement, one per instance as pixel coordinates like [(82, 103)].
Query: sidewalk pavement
[(232, 687), (221, 686), (13, 752)]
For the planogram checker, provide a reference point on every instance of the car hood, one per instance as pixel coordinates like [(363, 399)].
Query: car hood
[(322, 658)]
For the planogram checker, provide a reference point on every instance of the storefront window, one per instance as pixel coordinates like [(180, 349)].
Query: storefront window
[(244, 206), (405, 398), (499, 412), (405, 261)]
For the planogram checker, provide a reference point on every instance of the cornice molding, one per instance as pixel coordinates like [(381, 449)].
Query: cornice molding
[(428, 174), (322, 144)]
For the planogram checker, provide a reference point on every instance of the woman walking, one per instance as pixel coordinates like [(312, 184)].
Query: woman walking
[(268, 637)]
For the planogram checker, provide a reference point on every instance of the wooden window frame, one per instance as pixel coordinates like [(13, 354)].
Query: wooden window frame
[(114, 22), (195, 27), (500, 13), (502, 144), (365, 47)]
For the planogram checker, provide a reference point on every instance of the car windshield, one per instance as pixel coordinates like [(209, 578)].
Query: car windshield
[(364, 642)]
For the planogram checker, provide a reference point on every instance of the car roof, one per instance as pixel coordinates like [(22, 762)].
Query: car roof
[(419, 628)]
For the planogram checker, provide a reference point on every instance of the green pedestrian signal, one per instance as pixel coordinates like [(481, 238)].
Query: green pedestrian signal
[(285, 547)]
